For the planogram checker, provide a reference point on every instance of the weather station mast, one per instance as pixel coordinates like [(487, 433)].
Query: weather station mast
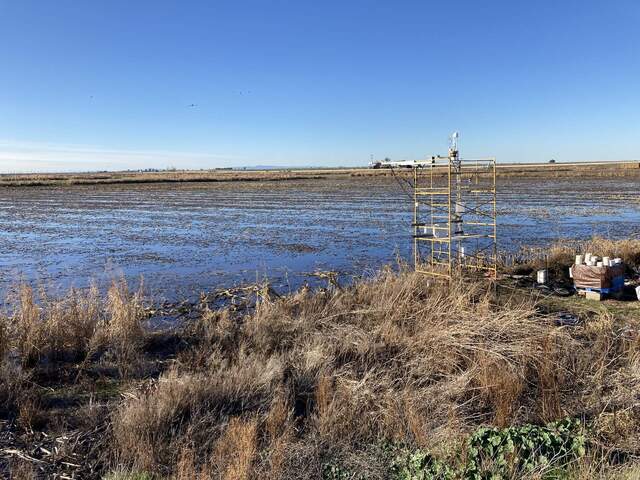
[(454, 214), (454, 224)]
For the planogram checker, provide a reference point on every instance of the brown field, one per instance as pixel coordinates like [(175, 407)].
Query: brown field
[(558, 170), (387, 378)]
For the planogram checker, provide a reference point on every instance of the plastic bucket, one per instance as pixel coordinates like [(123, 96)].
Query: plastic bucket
[(542, 276)]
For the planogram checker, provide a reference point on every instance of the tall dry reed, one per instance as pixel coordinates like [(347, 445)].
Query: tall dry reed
[(67, 328), (401, 358)]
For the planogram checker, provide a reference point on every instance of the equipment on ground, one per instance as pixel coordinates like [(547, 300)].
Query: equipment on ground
[(597, 279)]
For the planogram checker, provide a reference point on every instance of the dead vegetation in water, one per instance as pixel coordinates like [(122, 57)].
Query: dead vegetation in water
[(181, 176), (306, 384)]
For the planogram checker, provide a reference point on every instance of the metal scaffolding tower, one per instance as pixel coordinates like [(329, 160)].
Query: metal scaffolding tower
[(454, 217)]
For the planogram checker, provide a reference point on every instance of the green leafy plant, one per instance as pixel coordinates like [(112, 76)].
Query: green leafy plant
[(420, 465), (490, 454), (333, 471), (498, 453)]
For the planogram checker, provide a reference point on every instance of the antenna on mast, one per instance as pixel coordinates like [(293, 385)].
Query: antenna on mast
[(453, 142)]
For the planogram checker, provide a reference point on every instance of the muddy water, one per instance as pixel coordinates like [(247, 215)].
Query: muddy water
[(188, 238)]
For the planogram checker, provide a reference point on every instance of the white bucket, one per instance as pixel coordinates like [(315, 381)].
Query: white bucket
[(605, 261), (587, 257), (542, 276), (578, 259)]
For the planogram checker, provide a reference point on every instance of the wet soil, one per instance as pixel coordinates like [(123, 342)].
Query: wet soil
[(193, 237)]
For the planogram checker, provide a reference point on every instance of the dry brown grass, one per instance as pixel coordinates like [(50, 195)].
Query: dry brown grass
[(233, 457), (628, 250), (27, 326), (400, 358), (13, 390), (172, 413), (68, 328), (591, 469), (44, 337), (235, 450), (563, 254), (331, 375), (122, 329), (559, 257)]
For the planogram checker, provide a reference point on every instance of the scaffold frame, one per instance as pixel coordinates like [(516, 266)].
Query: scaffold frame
[(455, 215)]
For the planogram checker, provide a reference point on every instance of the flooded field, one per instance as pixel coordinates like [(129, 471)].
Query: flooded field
[(187, 238)]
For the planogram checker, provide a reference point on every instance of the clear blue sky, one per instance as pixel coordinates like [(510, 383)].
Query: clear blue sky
[(88, 85)]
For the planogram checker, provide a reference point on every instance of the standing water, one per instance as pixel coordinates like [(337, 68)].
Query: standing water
[(187, 238)]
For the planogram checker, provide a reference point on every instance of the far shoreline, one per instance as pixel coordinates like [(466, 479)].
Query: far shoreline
[(547, 170)]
